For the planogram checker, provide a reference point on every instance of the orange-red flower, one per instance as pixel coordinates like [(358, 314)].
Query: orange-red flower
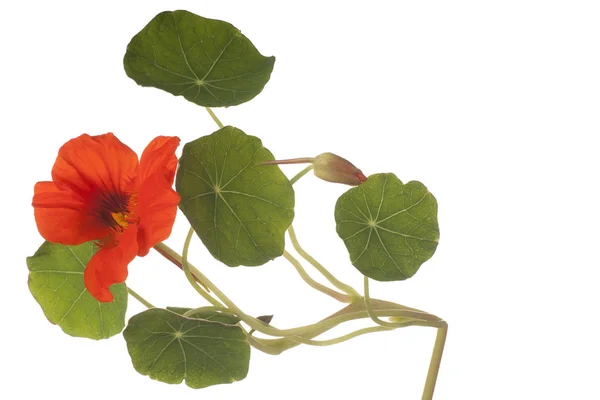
[(100, 191)]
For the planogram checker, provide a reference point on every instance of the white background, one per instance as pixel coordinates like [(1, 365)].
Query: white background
[(493, 105)]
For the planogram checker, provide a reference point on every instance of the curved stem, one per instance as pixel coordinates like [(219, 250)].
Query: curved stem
[(175, 258), (214, 117), (193, 275), (372, 315), (186, 269), (343, 338), (139, 298), (301, 174), (314, 284), (351, 312), (193, 311), (251, 321), (349, 290), (259, 345), (288, 342), (230, 305), (411, 317), (386, 309), (434, 365)]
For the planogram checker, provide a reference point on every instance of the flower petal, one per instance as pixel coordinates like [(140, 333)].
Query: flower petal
[(159, 156), (157, 210), (109, 265), (158, 201), (62, 216), (91, 164)]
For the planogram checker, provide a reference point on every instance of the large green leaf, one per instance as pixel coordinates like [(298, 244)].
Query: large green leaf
[(238, 207), (209, 62), (170, 348), (389, 228), (56, 282)]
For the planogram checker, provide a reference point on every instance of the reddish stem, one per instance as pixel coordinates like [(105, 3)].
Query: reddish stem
[(304, 160), (178, 263)]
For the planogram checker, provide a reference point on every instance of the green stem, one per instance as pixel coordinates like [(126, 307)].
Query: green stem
[(434, 365), (279, 345), (193, 275), (341, 339), (349, 290), (275, 346), (301, 160), (139, 298), (353, 294), (353, 311), (186, 269), (259, 345), (193, 311), (314, 284), (349, 313), (214, 117), (301, 174), (251, 321), (175, 258), (369, 309), (303, 334)]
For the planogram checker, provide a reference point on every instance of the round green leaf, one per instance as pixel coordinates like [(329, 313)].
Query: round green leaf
[(208, 62), (56, 282), (170, 348), (238, 207), (389, 228)]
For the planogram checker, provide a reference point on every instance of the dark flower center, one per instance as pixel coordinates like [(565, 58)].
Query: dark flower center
[(113, 210)]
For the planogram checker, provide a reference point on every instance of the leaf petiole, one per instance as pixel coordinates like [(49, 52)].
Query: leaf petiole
[(343, 338), (301, 174), (434, 364), (353, 311), (349, 290), (139, 298), (198, 310), (214, 117), (314, 284), (369, 309), (186, 269), (175, 258)]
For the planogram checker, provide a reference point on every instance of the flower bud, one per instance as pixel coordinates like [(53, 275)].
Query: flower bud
[(332, 168)]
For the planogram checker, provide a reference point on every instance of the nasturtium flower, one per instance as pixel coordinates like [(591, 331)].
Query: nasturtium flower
[(101, 192)]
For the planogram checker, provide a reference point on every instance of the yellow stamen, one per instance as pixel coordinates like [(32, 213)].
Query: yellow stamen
[(120, 219)]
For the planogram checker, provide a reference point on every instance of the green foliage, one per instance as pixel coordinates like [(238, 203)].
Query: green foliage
[(238, 207), (56, 282), (389, 228), (208, 62), (170, 348)]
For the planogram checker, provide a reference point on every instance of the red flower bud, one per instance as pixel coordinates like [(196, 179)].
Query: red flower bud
[(332, 168)]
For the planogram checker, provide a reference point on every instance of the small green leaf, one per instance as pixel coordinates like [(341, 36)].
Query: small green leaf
[(56, 282), (209, 315), (238, 207), (389, 228), (170, 348), (208, 62)]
